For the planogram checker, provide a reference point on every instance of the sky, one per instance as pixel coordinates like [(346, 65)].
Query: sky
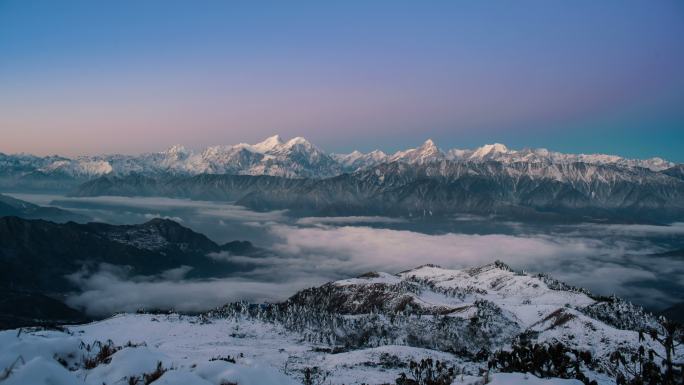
[(85, 77)]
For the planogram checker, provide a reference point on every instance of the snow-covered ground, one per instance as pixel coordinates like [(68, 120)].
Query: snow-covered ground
[(185, 346)]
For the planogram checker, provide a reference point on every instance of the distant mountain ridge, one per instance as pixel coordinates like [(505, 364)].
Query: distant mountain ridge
[(294, 158), (15, 207), (573, 191), (38, 257), (422, 181)]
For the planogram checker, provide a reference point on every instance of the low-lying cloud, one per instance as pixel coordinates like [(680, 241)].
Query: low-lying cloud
[(111, 290), (607, 259), (373, 248), (607, 266), (347, 220)]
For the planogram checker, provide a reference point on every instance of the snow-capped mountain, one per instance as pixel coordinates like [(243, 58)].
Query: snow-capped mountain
[(295, 158), (364, 330), (429, 152), (357, 160), (500, 153)]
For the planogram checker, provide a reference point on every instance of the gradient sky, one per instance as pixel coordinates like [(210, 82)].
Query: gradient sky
[(83, 77)]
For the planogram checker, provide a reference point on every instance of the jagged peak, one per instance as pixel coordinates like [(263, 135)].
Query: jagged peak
[(429, 143), (377, 153), (176, 149), (428, 147), (427, 151)]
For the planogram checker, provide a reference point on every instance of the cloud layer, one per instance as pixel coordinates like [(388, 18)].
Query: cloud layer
[(608, 265), (607, 259)]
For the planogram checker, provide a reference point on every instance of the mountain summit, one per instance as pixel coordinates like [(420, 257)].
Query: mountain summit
[(268, 144)]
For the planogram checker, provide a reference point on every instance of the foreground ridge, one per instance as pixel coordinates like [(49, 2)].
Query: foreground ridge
[(369, 329)]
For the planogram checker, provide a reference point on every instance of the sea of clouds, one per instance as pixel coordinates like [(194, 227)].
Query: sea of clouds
[(607, 259)]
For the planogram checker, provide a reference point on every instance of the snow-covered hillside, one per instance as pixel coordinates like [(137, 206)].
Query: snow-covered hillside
[(361, 330), (198, 351)]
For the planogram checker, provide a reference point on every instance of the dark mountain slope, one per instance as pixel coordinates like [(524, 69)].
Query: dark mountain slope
[(15, 207), (521, 190), (36, 255), (19, 309), (675, 312), (676, 171)]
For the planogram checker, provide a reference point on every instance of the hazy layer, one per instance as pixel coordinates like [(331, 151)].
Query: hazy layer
[(607, 259)]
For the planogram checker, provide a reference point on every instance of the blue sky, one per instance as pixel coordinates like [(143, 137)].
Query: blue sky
[(82, 77)]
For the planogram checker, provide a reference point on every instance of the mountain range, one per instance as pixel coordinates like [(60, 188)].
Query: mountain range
[(419, 182), (294, 158), (521, 191)]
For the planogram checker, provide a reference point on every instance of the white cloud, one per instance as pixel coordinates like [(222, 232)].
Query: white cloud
[(676, 228), (108, 291), (157, 215), (176, 274), (372, 248), (611, 258), (601, 265), (222, 210), (347, 220)]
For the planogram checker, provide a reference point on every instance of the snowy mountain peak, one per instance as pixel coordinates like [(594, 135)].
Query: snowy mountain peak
[(429, 144), (489, 150), (268, 144), (427, 152), (429, 149), (175, 153), (540, 151), (176, 149), (298, 140), (356, 160)]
